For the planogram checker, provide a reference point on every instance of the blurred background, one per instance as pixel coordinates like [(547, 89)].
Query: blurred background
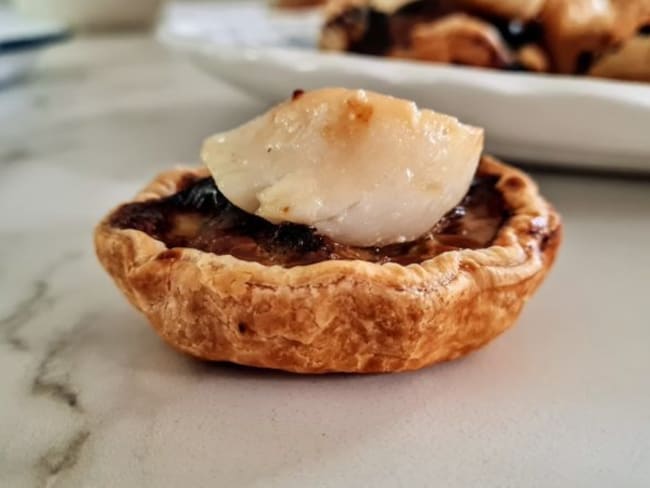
[(268, 48)]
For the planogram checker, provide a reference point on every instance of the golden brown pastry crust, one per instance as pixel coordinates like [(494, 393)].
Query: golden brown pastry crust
[(534, 58), (347, 316)]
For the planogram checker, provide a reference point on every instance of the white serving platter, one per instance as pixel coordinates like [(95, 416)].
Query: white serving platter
[(541, 119)]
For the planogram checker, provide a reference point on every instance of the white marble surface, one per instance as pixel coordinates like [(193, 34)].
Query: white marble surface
[(90, 397)]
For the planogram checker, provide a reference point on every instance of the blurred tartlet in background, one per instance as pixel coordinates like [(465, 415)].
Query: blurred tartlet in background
[(608, 38)]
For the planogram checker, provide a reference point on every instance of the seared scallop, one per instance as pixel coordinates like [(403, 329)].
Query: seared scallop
[(363, 168)]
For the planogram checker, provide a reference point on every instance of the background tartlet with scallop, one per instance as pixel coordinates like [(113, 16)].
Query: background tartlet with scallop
[(602, 38)]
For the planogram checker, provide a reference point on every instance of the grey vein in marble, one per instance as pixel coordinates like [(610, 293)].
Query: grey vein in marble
[(22, 313), (36, 302), (61, 458), (14, 155), (50, 382)]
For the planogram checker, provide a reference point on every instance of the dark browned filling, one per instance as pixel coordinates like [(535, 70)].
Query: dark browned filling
[(200, 217)]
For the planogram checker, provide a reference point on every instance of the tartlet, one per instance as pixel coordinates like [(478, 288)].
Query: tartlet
[(221, 284)]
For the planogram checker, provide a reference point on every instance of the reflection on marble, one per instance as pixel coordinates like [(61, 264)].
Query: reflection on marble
[(91, 397)]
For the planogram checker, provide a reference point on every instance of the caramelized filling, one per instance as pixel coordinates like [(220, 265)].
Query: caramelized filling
[(199, 216)]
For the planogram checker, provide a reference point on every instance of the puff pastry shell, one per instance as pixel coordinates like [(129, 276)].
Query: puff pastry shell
[(336, 316)]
